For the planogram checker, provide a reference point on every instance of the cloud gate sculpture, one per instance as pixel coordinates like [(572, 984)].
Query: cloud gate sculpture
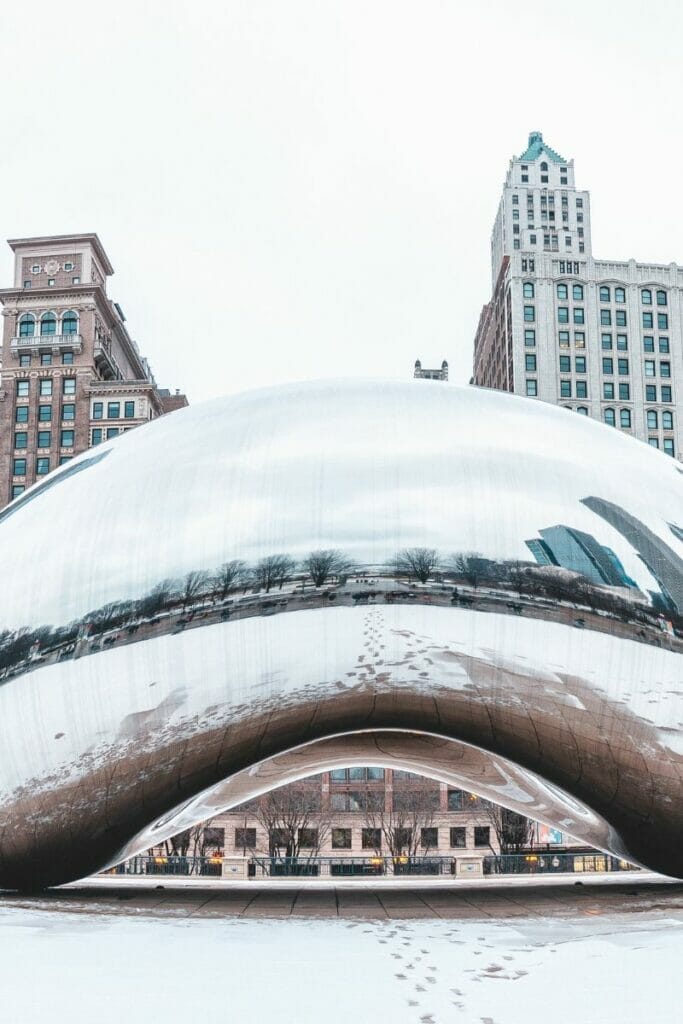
[(475, 586)]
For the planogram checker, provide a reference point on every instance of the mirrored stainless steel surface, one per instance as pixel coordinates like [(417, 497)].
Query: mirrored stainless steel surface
[(406, 573)]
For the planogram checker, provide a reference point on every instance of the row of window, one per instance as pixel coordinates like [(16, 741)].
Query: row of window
[(578, 316), (36, 268), (547, 198), (48, 324), (21, 413), (98, 434), (23, 387), (370, 838), (43, 439), (51, 282), (667, 444), (113, 410), (46, 359)]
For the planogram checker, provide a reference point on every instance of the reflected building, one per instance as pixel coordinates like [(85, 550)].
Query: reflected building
[(422, 373), (580, 552), (661, 560)]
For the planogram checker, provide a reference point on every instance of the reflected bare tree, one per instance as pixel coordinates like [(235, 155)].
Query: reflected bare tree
[(274, 570), (230, 576), (416, 563), (322, 565), (399, 827), (194, 584)]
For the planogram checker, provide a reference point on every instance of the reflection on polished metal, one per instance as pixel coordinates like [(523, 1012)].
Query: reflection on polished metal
[(475, 586)]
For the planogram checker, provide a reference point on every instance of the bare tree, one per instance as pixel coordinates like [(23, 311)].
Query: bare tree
[(399, 828), (230, 576), (321, 565), (471, 566), (416, 563), (273, 570), (294, 820), (159, 598), (192, 586), (514, 832)]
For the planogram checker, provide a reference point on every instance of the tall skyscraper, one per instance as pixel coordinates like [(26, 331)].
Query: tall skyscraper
[(602, 338), (580, 552), (72, 376)]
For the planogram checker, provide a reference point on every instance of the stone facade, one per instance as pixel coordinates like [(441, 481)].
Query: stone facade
[(602, 338), (72, 376)]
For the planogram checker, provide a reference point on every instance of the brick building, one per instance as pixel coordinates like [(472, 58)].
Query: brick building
[(72, 376)]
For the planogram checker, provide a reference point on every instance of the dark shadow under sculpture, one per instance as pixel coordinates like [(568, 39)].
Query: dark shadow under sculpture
[(474, 586)]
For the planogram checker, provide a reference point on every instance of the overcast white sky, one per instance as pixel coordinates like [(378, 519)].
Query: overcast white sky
[(305, 188)]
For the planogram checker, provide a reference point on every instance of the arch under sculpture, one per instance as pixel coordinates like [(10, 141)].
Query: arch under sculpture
[(473, 585)]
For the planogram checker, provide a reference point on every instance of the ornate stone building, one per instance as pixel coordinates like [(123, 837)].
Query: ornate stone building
[(72, 376)]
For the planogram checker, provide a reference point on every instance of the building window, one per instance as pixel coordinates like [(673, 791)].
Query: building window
[(21, 414), (650, 368), (429, 838), (27, 284), (45, 387), (530, 361), (245, 838), (577, 292), (48, 324), (515, 200), (456, 799), (371, 839), (648, 322), (97, 410), (17, 489), (25, 359), (68, 265), (42, 466), (50, 282), (46, 359), (582, 410), (650, 392), (608, 390), (620, 295), (69, 386), (663, 344), (652, 420), (664, 369), (667, 420), (27, 326), (66, 439), (516, 243), (20, 439), (622, 342), (112, 432), (341, 839), (565, 364), (565, 389), (624, 392), (625, 417), (604, 293), (532, 388), (622, 365), (113, 410), (525, 178), (458, 837), (648, 343), (528, 290), (35, 269), (96, 435), (70, 323), (581, 389), (44, 438), (669, 446), (579, 339), (529, 313), (22, 389), (661, 298), (529, 341), (19, 467), (69, 412), (662, 321), (620, 318), (666, 393), (606, 317), (129, 410), (482, 835), (44, 413), (563, 314), (562, 292), (646, 297), (653, 442), (532, 239), (67, 358), (610, 418), (578, 315), (606, 341), (607, 365), (564, 339), (580, 364)]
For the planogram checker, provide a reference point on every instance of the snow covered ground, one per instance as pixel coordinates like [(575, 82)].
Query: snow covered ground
[(65, 966)]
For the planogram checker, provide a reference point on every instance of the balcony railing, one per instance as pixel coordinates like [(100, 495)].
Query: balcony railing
[(53, 341)]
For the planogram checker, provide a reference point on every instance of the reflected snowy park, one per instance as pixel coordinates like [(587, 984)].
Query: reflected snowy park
[(135, 967)]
